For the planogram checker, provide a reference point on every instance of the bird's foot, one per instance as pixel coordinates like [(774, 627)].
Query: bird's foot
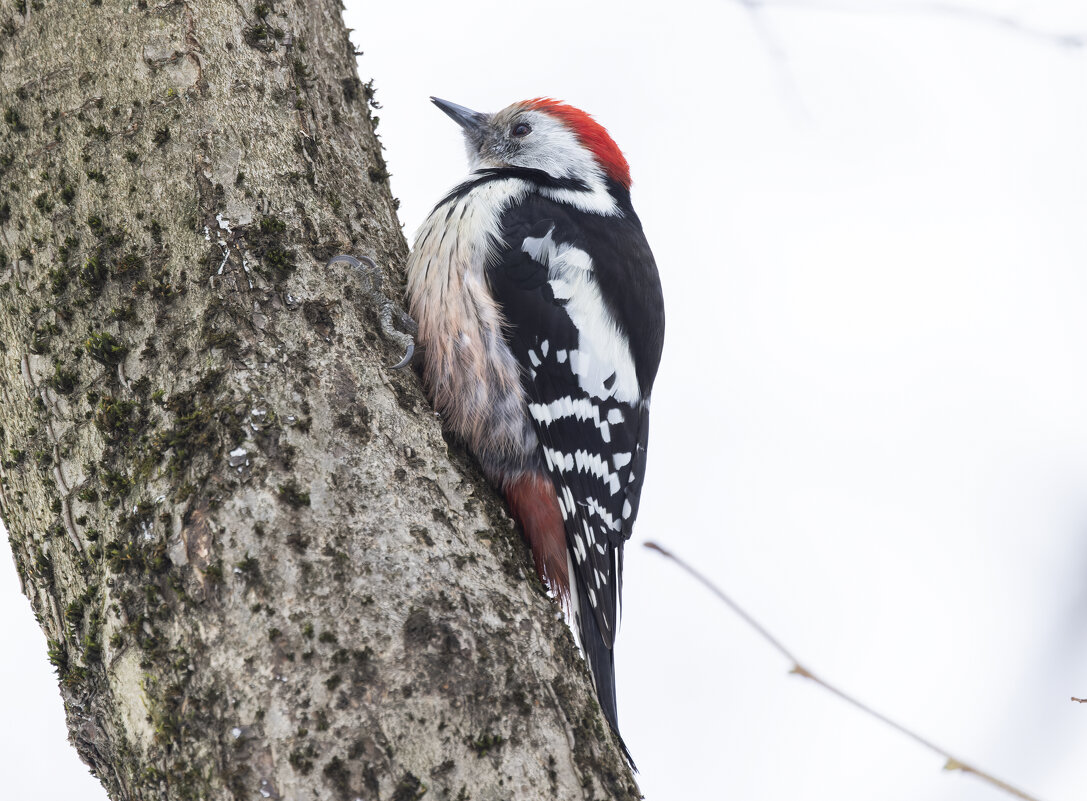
[(389, 313)]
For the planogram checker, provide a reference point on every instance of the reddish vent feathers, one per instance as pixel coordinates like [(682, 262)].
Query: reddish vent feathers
[(533, 502), (592, 134)]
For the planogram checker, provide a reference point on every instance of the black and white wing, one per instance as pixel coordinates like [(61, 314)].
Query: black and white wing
[(582, 301)]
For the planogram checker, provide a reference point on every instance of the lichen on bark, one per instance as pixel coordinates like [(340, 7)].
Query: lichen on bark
[(262, 570)]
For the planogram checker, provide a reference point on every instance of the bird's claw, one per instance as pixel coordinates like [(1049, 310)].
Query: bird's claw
[(369, 270), (352, 261), (400, 365)]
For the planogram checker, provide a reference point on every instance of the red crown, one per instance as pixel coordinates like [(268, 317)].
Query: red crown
[(592, 134)]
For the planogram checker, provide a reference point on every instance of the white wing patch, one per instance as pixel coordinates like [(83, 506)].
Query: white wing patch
[(605, 516), (580, 408), (585, 462), (602, 362)]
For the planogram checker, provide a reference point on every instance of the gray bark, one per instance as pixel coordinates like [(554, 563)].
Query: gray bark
[(262, 571)]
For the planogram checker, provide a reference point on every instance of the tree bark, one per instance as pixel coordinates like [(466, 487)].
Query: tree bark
[(262, 570)]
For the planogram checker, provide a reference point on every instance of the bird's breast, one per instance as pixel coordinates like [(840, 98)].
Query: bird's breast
[(470, 374)]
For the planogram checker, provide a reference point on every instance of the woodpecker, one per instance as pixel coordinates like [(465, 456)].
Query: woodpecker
[(541, 318)]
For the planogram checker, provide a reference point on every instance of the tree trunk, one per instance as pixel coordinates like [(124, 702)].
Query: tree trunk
[(262, 571)]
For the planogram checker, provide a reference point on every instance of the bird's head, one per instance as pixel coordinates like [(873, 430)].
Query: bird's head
[(540, 134)]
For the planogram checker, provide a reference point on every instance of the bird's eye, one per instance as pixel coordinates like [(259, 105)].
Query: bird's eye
[(521, 129)]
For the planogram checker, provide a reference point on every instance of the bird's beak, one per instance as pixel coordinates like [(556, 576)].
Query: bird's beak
[(471, 121)]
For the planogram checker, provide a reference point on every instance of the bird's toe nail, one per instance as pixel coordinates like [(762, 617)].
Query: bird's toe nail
[(400, 365)]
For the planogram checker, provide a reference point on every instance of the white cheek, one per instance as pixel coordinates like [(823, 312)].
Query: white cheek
[(553, 148)]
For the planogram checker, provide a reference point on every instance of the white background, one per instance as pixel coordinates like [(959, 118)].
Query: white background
[(870, 426)]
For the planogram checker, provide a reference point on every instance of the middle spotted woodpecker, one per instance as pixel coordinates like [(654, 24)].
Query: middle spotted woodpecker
[(542, 322)]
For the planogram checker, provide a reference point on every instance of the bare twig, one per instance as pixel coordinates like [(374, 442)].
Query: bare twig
[(966, 13), (951, 762), (784, 73)]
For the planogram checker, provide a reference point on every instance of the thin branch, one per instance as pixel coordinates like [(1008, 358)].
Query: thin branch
[(786, 80), (951, 762), (967, 13)]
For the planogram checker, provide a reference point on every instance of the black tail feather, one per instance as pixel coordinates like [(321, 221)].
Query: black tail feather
[(602, 666)]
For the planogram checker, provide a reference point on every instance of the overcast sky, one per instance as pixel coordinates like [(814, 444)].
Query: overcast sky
[(870, 426)]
